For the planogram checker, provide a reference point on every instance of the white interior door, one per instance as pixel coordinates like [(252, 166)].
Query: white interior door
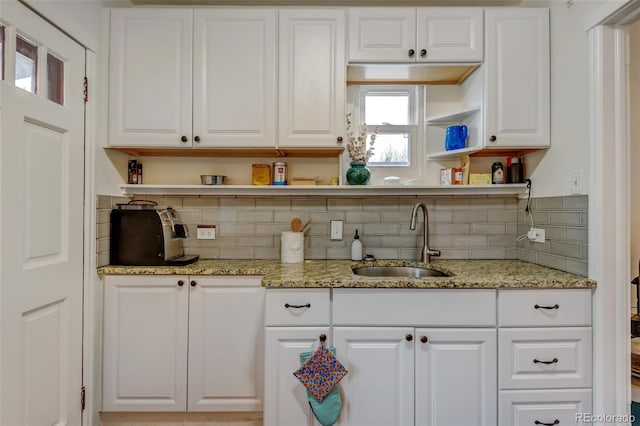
[(41, 222)]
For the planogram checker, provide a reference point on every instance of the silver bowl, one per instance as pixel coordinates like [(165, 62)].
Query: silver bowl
[(212, 179)]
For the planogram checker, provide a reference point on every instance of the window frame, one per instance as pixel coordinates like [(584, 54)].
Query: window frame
[(416, 155)]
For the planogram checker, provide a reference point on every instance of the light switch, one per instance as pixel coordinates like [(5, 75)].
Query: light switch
[(336, 230)]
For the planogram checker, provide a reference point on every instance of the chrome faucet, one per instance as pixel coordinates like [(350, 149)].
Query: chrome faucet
[(426, 251)]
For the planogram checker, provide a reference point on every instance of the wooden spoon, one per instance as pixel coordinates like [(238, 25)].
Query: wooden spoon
[(296, 223), (305, 225)]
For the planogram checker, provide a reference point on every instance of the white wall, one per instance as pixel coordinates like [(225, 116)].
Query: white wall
[(79, 18), (634, 81)]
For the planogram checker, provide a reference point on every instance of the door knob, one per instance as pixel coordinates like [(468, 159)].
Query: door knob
[(408, 337), (424, 339)]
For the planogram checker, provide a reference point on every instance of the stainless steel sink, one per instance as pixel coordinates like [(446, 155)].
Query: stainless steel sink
[(398, 271)]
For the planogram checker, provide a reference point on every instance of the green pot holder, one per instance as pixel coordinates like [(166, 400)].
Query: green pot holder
[(326, 408)]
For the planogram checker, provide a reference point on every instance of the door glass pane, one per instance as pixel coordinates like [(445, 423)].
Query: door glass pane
[(55, 79), (1, 52), (386, 109), (390, 149), (26, 64)]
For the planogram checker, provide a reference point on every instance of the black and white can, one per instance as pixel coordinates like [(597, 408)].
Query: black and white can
[(280, 173), (497, 173)]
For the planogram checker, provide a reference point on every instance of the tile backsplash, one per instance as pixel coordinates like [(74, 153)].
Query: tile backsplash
[(250, 227), (566, 225), (462, 228)]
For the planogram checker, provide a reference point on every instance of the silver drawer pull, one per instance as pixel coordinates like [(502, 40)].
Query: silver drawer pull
[(537, 361), (556, 422), (287, 305), (556, 306)]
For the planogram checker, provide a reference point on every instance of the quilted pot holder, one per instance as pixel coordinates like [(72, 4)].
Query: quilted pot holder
[(320, 373)]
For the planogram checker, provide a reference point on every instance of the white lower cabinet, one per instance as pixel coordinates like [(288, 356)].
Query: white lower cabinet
[(408, 376), (434, 357), (295, 319), (413, 360), (545, 361), (177, 343), (455, 376), (285, 399), (378, 391)]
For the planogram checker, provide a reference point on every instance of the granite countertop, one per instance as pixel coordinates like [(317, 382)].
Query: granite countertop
[(337, 273)]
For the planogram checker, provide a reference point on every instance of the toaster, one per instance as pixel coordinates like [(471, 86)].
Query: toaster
[(144, 234)]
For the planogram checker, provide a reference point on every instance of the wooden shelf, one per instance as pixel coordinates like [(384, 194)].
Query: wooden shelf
[(479, 151), (231, 152), (434, 74), (452, 117), (322, 190)]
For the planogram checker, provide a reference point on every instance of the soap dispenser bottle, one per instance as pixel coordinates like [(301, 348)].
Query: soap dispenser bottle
[(356, 247)]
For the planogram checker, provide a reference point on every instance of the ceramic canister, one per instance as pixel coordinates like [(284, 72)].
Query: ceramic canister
[(292, 247)]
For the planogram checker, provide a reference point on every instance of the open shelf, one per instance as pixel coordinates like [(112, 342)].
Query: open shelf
[(479, 151), (452, 117), (231, 152), (322, 190)]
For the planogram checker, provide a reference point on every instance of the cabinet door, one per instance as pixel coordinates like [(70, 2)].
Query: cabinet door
[(450, 34), (312, 78), (234, 78), (145, 343), (225, 343), (460, 362), (517, 98), (378, 391), (382, 34), (150, 77), (285, 398)]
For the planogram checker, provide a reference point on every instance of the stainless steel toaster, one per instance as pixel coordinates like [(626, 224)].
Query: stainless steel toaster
[(143, 233)]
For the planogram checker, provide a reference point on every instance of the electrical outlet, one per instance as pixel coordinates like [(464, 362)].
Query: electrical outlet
[(336, 230), (536, 235), (206, 232)]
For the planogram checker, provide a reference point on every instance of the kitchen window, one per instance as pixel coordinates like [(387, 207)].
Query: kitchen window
[(394, 112)]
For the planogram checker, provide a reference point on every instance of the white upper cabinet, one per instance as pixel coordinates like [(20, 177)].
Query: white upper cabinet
[(517, 88), (439, 34), (150, 77), (450, 34), (180, 78), (234, 77), (312, 74)]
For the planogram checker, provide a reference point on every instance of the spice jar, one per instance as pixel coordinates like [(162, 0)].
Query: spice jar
[(497, 173), (280, 173)]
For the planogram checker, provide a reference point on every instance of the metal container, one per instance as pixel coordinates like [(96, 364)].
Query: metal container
[(212, 179), (280, 173), (497, 173)]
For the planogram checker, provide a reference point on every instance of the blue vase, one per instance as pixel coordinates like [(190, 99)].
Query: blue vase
[(358, 173)]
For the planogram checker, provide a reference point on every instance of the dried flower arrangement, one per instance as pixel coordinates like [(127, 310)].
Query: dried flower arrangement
[(357, 145)]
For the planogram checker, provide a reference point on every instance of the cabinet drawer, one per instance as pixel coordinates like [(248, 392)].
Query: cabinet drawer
[(402, 307), (531, 407), (535, 308), (544, 358), (298, 307)]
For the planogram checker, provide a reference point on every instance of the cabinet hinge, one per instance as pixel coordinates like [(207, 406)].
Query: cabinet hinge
[(86, 89), (83, 396)]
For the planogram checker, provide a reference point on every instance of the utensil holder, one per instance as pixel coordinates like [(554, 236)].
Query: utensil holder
[(291, 247)]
